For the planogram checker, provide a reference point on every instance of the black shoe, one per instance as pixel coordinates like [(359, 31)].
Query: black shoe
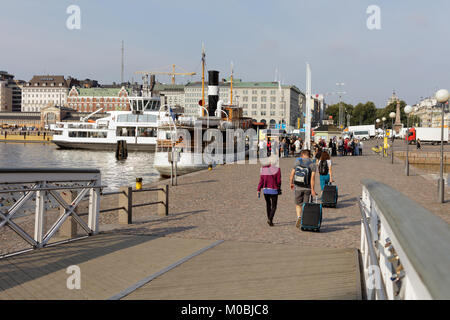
[(271, 224)]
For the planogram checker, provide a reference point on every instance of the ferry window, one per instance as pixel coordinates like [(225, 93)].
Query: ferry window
[(126, 131), (132, 118), (146, 132)]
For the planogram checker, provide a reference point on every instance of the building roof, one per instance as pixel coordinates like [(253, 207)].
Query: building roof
[(162, 86), (248, 84), (100, 92)]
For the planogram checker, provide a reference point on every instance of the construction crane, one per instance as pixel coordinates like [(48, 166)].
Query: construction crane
[(173, 73)]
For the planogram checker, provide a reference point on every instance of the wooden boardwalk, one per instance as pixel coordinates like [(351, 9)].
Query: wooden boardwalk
[(112, 263)]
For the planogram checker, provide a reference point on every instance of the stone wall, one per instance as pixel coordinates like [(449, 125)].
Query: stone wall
[(423, 157)]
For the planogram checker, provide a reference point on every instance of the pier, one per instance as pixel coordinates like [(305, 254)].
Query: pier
[(215, 242)]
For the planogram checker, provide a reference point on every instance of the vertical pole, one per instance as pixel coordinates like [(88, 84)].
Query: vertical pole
[(176, 160), (393, 140), (441, 172), (407, 145), (203, 80), (39, 217), (163, 198), (94, 207), (126, 205), (171, 168)]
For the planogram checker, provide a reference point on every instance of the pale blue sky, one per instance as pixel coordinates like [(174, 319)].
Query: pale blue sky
[(258, 36)]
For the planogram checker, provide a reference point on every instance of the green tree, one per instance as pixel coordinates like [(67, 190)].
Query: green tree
[(364, 114), (333, 110)]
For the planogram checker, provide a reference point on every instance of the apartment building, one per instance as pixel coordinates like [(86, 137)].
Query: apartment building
[(42, 90)]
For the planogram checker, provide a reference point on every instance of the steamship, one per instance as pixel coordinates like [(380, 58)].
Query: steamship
[(180, 138)]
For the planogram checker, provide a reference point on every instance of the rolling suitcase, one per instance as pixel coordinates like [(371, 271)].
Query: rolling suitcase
[(330, 196), (311, 216)]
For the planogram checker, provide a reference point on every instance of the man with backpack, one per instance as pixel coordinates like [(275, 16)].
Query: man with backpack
[(302, 180)]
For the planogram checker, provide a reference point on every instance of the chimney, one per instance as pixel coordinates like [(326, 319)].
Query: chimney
[(213, 91)]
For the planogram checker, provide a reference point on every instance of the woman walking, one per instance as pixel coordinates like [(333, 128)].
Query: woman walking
[(325, 170), (270, 183)]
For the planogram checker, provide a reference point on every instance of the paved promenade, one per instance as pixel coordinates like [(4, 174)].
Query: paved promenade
[(244, 257), (223, 204)]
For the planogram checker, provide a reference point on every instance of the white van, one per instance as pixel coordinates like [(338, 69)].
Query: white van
[(361, 135)]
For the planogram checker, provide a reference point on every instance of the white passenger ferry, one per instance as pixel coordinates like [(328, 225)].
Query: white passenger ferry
[(137, 127)]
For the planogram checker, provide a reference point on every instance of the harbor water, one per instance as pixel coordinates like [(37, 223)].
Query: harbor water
[(114, 173)]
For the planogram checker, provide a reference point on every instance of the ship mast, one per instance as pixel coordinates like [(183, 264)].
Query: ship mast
[(231, 87), (203, 78)]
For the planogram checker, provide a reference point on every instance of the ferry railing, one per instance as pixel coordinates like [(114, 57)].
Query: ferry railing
[(405, 248), (47, 185), (125, 202)]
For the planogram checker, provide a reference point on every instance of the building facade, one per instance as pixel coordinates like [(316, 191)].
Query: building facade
[(430, 114), (42, 90), (92, 99), (267, 102), (5, 97), (11, 90)]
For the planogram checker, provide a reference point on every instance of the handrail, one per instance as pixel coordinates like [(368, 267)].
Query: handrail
[(421, 239), (373, 257)]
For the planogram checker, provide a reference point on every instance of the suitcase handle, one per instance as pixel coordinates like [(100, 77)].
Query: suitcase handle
[(311, 199)]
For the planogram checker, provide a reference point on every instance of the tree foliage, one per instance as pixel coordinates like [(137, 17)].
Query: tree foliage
[(367, 113)]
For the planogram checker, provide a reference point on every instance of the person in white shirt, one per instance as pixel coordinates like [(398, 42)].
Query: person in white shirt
[(297, 145)]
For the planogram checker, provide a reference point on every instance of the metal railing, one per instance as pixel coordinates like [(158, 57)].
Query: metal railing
[(125, 203), (405, 248), (67, 188), (46, 185)]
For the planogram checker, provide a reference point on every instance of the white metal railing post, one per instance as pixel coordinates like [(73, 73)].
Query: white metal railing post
[(406, 243), (94, 206), (39, 223)]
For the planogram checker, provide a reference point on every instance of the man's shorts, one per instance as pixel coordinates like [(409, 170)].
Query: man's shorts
[(302, 196)]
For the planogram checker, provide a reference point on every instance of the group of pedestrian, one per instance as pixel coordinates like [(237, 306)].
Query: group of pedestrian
[(304, 167), (287, 147), (350, 147)]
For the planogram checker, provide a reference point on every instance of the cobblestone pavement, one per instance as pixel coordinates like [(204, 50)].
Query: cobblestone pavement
[(223, 204)]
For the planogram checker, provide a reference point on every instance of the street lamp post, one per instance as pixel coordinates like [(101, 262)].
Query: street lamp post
[(442, 96), (378, 136), (408, 110), (392, 116), (384, 136)]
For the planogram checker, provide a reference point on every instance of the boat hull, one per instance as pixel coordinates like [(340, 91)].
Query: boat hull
[(103, 146)]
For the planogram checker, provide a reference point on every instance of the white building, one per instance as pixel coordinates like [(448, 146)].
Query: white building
[(430, 113), (41, 90), (266, 102)]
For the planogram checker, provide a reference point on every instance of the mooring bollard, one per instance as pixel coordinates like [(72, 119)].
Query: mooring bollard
[(138, 183)]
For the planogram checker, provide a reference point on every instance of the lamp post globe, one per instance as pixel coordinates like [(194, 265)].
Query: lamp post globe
[(442, 96), (384, 119), (408, 109), (392, 115)]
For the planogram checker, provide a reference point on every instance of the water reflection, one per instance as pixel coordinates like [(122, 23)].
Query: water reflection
[(114, 173)]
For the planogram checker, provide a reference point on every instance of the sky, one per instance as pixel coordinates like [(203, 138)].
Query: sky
[(410, 53)]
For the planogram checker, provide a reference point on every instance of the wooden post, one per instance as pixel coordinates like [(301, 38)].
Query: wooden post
[(126, 203), (163, 197), (69, 227)]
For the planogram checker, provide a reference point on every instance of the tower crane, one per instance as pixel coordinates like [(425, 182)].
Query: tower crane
[(173, 73)]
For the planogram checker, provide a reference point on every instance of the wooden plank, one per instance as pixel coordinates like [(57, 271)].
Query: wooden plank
[(237, 270)]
